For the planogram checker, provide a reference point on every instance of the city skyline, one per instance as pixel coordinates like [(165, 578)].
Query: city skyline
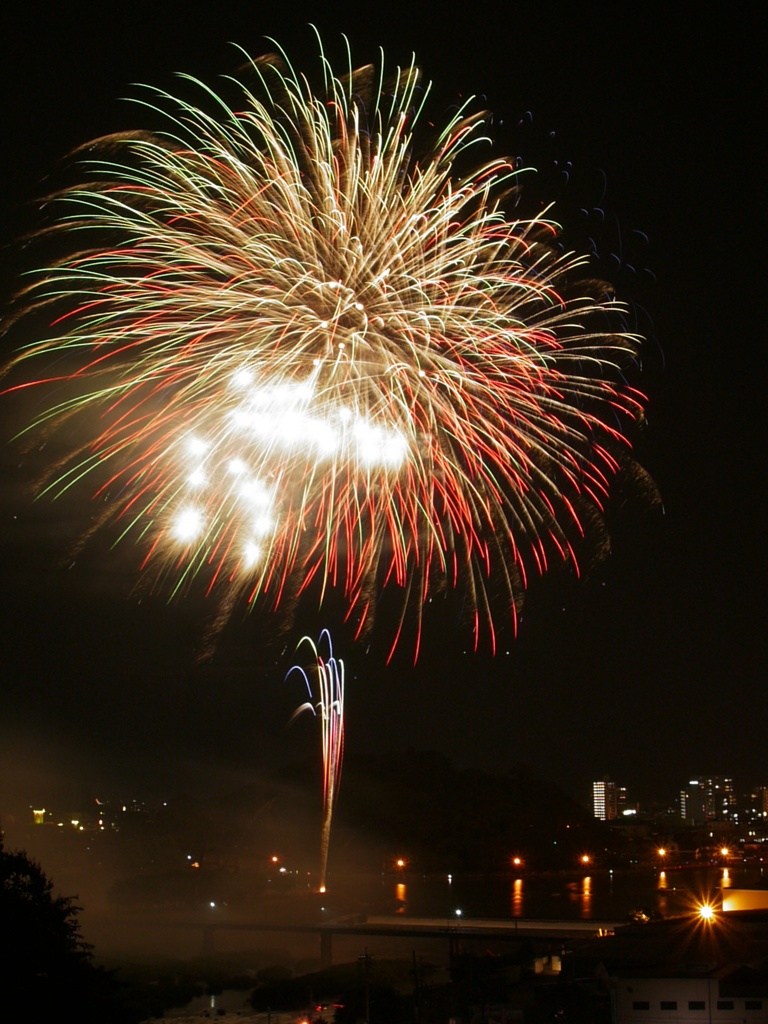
[(693, 801)]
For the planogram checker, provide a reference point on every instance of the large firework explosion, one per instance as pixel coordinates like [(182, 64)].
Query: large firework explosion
[(302, 339)]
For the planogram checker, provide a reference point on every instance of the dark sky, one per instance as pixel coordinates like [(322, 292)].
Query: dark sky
[(652, 668)]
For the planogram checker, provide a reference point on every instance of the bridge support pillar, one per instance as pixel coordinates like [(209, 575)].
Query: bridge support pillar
[(326, 949)]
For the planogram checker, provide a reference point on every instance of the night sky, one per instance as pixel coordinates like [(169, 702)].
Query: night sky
[(652, 666)]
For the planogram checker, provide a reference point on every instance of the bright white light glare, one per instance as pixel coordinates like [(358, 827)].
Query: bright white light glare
[(241, 418), (251, 555), (196, 446), (262, 525), (325, 439), (394, 451), (267, 418), (376, 446), (242, 378), (278, 416), (276, 395), (255, 493), (294, 427), (188, 524)]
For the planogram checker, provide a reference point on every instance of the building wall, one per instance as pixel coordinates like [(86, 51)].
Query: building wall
[(745, 899), (683, 1001)]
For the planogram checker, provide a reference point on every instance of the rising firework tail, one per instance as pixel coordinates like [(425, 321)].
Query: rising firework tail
[(304, 344), (326, 702)]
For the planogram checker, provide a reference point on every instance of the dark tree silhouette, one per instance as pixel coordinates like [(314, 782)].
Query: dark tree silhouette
[(46, 967)]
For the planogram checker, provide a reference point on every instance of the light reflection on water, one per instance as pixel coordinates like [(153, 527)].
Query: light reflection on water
[(580, 897), (586, 898), (609, 896), (518, 900), (663, 902), (401, 892)]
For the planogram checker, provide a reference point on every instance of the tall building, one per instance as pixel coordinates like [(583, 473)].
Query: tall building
[(708, 798), (605, 799), (722, 798), (757, 804)]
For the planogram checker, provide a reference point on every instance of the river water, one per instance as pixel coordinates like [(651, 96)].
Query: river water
[(603, 896)]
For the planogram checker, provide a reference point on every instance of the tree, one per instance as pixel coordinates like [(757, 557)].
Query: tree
[(46, 965)]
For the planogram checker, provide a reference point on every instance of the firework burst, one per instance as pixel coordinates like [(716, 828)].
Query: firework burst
[(327, 705), (304, 344)]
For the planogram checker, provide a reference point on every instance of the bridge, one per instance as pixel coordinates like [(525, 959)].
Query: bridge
[(452, 930)]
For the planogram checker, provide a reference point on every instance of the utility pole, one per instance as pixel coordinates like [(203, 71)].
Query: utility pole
[(365, 962), (416, 988)]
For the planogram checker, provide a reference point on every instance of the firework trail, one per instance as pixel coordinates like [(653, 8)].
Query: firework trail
[(328, 705), (301, 340)]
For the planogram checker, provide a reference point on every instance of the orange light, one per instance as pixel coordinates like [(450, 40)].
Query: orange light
[(400, 862), (585, 858), (517, 861), (706, 912)]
